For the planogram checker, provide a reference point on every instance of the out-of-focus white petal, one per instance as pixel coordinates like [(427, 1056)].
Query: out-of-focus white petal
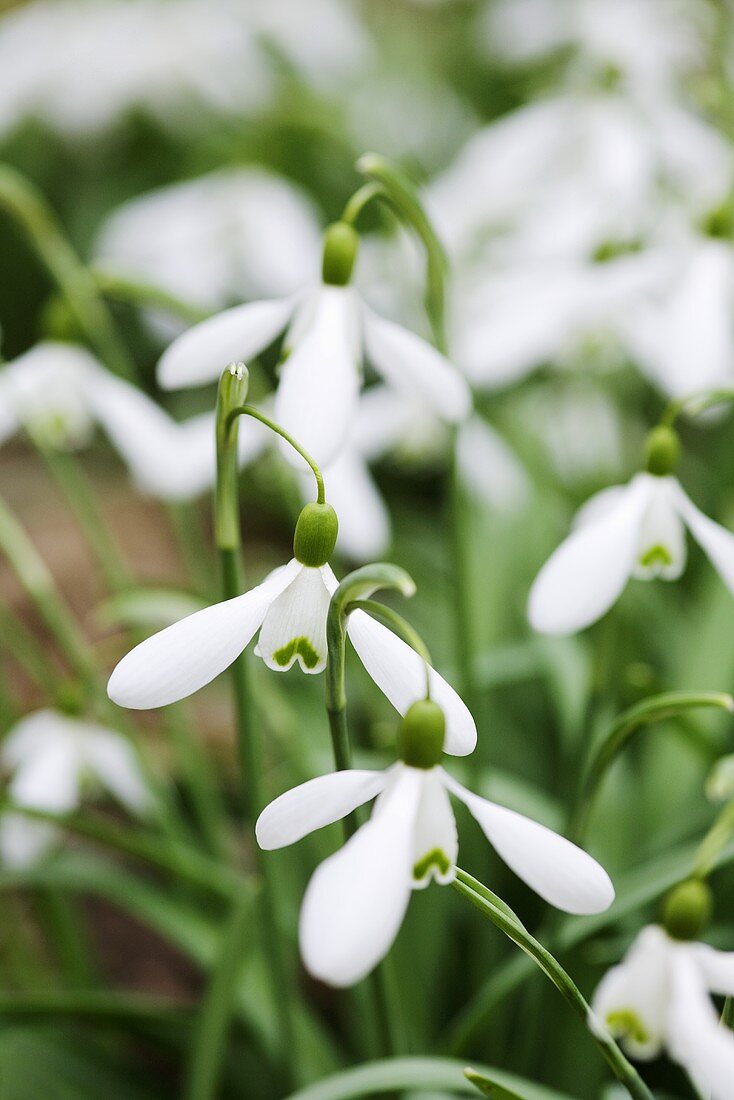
[(400, 673), (632, 998), (435, 840), (588, 571), (113, 760), (356, 900), (717, 542), (314, 804), (364, 521), (23, 841), (321, 376), (413, 366), (30, 735), (717, 968), (294, 628), (184, 657), (696, 1037), (489, 468), (202, 352), (563, 874), (48, 779)]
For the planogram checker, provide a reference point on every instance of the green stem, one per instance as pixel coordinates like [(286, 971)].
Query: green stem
[(360, 199), (219, 1005), (714, 842), (216, 1015), (623, 1070), (694, 404), (657, 709), (23, 202), (463, 603), (91, 1004), (256, 414)]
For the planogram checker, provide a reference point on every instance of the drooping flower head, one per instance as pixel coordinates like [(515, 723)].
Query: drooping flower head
[(356, 900)]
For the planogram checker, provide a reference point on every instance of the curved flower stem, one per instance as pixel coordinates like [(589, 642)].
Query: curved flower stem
[(358, 585), (630, 723), (360, 199), (714, 842), (463, 603), (250, 410), (219, 1006), (623, 1070), (25, 204), (395, 189)]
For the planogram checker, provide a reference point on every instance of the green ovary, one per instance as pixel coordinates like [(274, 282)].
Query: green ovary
[(627, 1024), (656, 555), (435, 858), (297, 647)]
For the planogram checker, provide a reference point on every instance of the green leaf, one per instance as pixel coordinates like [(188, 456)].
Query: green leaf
[(146, 607), (489, 1088), (418, 1074)]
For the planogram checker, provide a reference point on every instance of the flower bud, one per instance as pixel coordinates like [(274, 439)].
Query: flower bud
[(687, 910), (662, 451), (341, 243), (421, 734), (315, 535)]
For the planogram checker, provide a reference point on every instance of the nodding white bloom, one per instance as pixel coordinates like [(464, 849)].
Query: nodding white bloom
[(234, 233), (52, 758), (659, 998), (356, 900), (289, 609), (408, 432), (328, 332), (635, 530), (57, 392)]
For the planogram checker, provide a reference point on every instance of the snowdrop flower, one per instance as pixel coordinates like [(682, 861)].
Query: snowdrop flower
[(52, 757), (289, 609), (57, 392), (659, 998), (232, 234), (329, 332), (636, 530), (356, 900)]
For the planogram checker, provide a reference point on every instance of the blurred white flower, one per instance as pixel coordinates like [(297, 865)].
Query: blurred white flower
[(80, 65), (289, 609), (52, 758), (355, 902), (635, 530), (582, 432), (234, 234), (659, 998), (649, 44), (57, 392), (329, 332)]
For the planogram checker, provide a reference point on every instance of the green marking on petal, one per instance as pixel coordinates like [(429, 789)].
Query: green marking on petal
[(656, 555), (435, 858), (297, 647), (625, 1023)]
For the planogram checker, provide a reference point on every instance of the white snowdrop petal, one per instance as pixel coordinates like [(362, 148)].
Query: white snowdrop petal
[(435, 839), (563, 874), (717, 968), (696, 1038), (716, 541), (24, 841), (321, 377), (662, 547), (400, 673), (589, 570), (48, 779), (187, 655), (490, 469), (115, 763), (294, 628), (202, 352), (356, 900), (636, 992), (412, 365), (314, 804), (31, 734)]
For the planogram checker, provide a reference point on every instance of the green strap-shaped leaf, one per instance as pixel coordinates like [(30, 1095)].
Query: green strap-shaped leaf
[(490, 1088)]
